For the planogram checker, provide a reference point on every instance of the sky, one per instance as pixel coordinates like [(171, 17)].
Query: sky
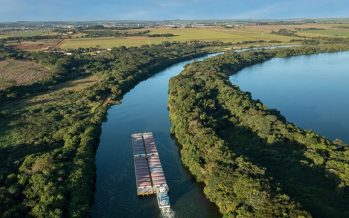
[(83, 10)]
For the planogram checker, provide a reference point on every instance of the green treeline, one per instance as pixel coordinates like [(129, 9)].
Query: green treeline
[(48, 137), (161, 35), (31, 38), (113, 33), (252, 161)]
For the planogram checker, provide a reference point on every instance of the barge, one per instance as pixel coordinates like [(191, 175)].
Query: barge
[(150, 177)]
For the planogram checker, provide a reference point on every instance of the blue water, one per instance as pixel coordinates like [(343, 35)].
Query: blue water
[(144, 108), (310, 91)]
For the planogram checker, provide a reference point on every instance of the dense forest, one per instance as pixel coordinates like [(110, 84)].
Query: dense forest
[(252, 161), (50, 129)]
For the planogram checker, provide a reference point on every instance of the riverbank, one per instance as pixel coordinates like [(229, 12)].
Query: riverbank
[(144, 108), (240, 149), (49, 139)]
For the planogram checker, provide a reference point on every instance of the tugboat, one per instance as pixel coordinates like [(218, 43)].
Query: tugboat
[(162, 197)]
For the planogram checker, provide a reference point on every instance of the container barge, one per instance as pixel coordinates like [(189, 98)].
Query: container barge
[(150, 177)]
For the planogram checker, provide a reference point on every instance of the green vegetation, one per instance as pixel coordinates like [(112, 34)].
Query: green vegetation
[(159, 35), (284, 32), (108, 37), (252, 161), (50, 121), (48, 137), (258, 34), (341, 32), (6, 52), (27, 33), (112, 33), (31, 38)]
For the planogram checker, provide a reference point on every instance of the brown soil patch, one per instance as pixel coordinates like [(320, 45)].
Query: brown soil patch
[(15, 73)]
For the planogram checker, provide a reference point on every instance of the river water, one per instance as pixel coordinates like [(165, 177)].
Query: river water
[(311, 91), (144, 108)]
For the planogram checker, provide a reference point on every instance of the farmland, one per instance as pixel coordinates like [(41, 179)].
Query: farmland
[(108, 38), (325, 32), (233, 35), (180, 34), (39, 45), (15, 72)]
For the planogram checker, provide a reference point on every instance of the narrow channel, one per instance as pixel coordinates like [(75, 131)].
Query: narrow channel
[(144, 109)]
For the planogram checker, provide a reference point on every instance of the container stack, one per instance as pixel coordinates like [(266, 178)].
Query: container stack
[(149, 143), (156, 171), (138, 145), (149, 173), (143, 180)]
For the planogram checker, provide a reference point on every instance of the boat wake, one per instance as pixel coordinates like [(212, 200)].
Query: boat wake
[(167, 213)]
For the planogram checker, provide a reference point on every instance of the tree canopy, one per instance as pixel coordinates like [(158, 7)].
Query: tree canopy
[(252, 161)]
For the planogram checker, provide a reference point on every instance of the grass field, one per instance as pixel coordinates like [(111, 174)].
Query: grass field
[(234, 35), (187, 34), (76, 84), (108, 42), (325, 32), (14, 72)]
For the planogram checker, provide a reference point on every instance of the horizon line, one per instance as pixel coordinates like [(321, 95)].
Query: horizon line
[(178, 19)]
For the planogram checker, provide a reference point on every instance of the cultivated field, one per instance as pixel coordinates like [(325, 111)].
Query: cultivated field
[(181, 34), (14, 72), (234, 35), (39, 45), (310, 30), (109, 42)]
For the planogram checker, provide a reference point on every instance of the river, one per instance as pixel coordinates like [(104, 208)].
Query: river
[(144, 108), (311, 90)]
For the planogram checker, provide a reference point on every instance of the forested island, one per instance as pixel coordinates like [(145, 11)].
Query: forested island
[(50, 127), (252, 161)]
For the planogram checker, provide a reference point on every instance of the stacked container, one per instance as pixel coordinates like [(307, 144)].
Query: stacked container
[(138, 145), (149, 173), (143, 180), (156, 171), (149, 143)]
